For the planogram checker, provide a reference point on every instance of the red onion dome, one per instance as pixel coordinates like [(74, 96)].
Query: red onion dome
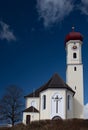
[(74, 36)]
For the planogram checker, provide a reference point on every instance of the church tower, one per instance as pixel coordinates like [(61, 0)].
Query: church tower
[(74, 72)]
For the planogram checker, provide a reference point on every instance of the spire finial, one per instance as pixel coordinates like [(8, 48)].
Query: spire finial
[(73, 28)]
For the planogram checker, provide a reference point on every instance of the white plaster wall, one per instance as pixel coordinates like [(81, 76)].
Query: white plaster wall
[(75, 80), (33, 116), (47, 113), (30, 100)]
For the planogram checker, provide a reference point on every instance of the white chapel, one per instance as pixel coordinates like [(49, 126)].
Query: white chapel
[(57, 99)]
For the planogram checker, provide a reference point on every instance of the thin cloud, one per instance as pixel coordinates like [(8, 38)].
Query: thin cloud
[(86, 111), (53, 11), (6, 33), (84, 7)]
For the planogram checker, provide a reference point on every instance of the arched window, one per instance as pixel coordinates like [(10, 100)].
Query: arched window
[(74, 55), (75, 87), (75, 68), (44, 101), (33, 103), (57, 103), (69, 102)]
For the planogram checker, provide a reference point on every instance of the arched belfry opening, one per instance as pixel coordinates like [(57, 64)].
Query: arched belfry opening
[(74, 55)]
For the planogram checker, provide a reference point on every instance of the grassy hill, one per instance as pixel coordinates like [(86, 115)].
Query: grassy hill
[(74, 124)]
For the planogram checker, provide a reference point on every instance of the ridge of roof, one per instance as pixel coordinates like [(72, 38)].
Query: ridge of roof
[(54, 82), (31, 109)]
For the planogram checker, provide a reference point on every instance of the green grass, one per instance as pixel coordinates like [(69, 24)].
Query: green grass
[(74, 124)]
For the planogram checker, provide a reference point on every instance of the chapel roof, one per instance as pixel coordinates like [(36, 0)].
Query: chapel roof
[(54, 82), (31, 109)]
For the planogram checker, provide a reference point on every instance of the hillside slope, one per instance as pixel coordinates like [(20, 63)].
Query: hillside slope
[(74, 124)]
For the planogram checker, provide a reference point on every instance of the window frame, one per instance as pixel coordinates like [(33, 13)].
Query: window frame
[(44, 102), (33, 103), (68, 102)]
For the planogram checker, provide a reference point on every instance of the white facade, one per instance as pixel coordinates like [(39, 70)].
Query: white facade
[(33, 117), (56, 105), (74, 74)]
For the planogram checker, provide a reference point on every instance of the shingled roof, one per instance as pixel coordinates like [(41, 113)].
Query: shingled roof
[(54, 82), (31, 109)]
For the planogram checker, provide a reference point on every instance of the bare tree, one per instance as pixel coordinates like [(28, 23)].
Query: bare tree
[(11, 104)]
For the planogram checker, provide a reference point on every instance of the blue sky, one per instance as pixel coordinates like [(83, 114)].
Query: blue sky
[(32, 34)]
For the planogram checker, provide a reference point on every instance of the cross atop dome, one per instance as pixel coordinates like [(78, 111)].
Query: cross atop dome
[(73, 28)]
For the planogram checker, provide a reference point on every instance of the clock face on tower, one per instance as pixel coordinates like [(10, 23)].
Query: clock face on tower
[(74, 47)]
